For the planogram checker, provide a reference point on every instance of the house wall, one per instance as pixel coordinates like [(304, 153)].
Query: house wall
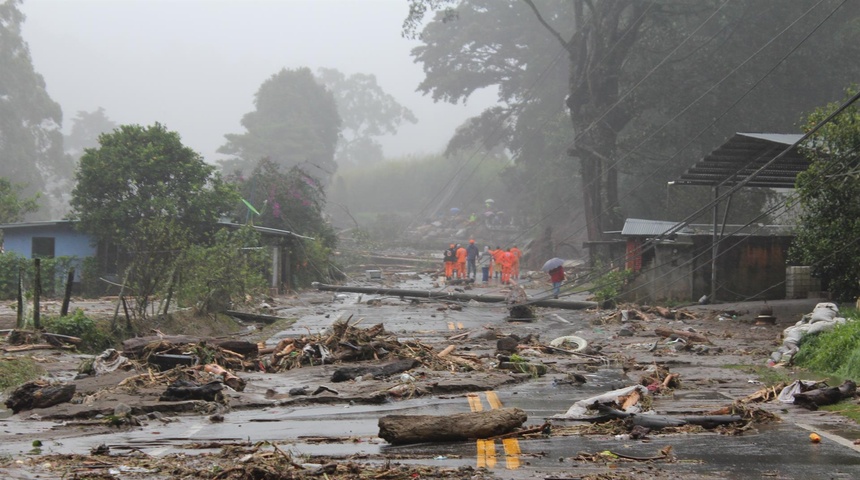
[(667, 275), (751, 267), (68, 242)]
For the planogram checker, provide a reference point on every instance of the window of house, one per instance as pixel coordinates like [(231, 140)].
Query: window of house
[(43, 247)]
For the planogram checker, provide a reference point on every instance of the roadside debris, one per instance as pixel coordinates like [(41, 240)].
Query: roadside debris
[(811, 394), (39, 394)]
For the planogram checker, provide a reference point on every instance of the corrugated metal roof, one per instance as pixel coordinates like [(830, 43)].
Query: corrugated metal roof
[(649, 228), (745, 153)]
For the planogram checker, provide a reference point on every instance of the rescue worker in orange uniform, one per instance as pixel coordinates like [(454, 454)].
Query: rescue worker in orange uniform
[(461, 261), (497, 261), (449, 256), (507, 261), (515, 267)]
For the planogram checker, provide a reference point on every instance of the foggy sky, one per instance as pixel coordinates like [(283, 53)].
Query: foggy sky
[(194, 65)]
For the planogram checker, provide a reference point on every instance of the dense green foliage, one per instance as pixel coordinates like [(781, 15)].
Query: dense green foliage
[(12, 206), (94, 335), (835, 352), (366, 112), (829, 225), (140, 175), (54, 272), (295, 123), (31, 142), (145, 192), (231, 268), (294, 201)]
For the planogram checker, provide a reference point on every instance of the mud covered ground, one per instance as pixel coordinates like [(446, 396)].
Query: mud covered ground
[(116, 426)]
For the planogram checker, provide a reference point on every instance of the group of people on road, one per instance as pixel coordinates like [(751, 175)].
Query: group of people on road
[(499, 264)]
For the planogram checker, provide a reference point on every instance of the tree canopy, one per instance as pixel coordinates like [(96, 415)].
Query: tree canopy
[(141, 174), (31, 143), (829, 224), (295, 123), (366, 112)]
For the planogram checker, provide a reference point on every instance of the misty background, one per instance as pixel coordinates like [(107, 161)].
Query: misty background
[(572, 117), (195, 65)]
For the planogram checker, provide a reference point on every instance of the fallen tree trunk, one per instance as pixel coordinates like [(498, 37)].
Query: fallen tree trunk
[(656, 422), (137, 347), (253, 317), (453, 296), (39, 394), (813, 399), (688, 336), (406, 429)]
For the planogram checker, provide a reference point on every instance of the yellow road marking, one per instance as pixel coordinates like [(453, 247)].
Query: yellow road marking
[(490, 448), (460, 325), (512, 452), (493, 399), (486, 449), (482, 454), (450, 325), (474, 402)]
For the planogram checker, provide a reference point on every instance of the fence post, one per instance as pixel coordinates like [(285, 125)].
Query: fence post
[(37, 293), (68, 296), (20, 321)]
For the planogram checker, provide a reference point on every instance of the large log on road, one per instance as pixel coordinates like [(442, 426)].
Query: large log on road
[(453, 296), (405, 429)]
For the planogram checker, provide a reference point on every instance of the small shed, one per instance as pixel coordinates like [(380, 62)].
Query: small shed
[(672, 262)]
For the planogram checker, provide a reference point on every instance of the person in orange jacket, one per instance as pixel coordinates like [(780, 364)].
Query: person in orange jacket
[(515, 267), (507, 261), (497, 261), (461, 261), (450, 258)]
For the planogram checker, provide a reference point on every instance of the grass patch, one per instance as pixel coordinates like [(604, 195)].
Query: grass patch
[(767, 375), (846, 409), (836, 352), (15, 371)]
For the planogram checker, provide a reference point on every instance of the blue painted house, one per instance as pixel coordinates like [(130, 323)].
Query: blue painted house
[(47, 240)]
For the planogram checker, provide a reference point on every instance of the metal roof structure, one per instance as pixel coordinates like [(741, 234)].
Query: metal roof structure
[(649, 228), (742, 155), (637, 227)]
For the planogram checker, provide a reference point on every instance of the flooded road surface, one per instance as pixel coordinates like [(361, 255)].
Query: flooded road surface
[(779, 450)]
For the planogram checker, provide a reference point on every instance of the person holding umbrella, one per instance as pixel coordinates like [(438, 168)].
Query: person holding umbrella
[(555, 268)]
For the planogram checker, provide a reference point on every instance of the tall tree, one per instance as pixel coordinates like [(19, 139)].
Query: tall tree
[(150, 195), (829, 224), (366, 112), (31, 142), (631, 66), (86, 128), (295, 123), (12, 206)]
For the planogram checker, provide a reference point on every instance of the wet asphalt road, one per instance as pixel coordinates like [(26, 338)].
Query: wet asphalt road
[(779, 451)]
